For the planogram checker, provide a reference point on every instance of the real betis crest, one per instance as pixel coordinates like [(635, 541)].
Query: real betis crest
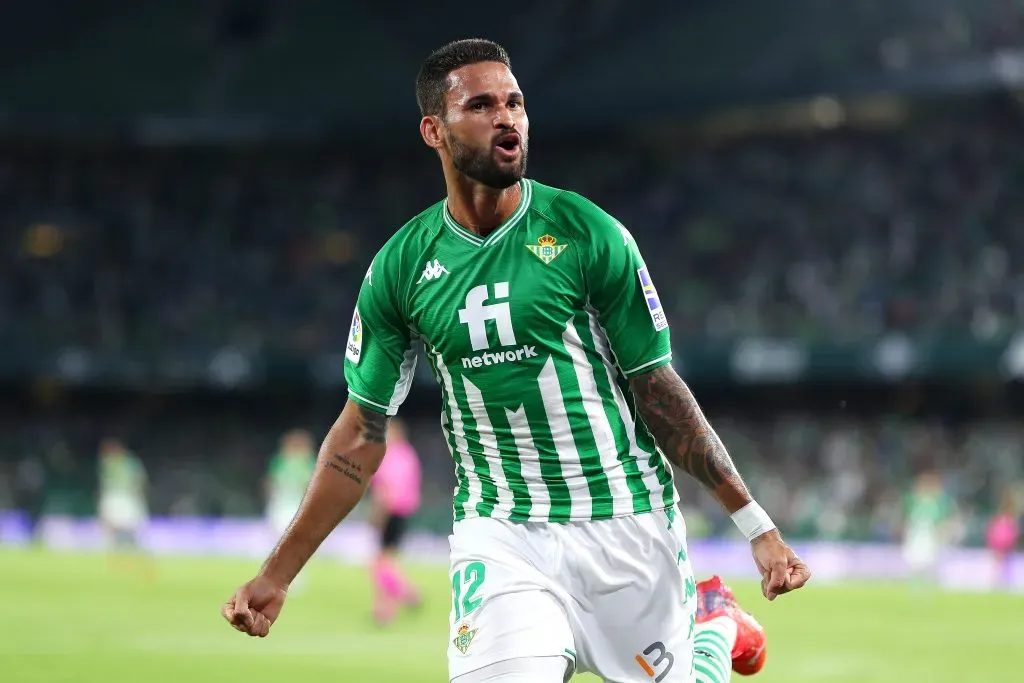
[(547, 248), (464, 638)]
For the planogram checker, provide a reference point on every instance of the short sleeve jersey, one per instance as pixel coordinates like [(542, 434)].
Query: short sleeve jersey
[(531, 333)]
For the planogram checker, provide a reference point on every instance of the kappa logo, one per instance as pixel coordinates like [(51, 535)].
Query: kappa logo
[(432, 271), (626, 236)]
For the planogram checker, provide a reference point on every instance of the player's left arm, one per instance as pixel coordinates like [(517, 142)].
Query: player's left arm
[(620, 289), (675, 419)]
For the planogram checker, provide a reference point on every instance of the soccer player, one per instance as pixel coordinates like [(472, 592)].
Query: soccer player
[(929, 515), (122, 507), (287, 477), (546, 334), (395, 490)]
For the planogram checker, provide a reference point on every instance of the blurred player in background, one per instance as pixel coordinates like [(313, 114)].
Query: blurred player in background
[(1001, 536), (287, 477), (395, 496), (123, 507), (928, 526)]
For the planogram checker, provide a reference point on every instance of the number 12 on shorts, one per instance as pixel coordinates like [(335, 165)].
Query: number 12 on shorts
[(465, 583)]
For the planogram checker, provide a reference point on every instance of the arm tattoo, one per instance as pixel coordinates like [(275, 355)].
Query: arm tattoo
[(373, 426), (677, 423), (346, 467)]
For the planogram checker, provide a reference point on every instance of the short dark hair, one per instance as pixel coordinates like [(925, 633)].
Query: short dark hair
[(432, 81)]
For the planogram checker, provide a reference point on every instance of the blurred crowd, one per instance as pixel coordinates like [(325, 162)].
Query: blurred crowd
[(821, 477), (269, 57), (844, 235), (836, 235), (897, 35)]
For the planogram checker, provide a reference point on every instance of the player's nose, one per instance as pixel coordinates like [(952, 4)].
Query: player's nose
[(503, 118)]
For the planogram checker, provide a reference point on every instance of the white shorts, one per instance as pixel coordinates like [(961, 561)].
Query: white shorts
[(279, 516), (921, 551), (615, 597), (123, 513)]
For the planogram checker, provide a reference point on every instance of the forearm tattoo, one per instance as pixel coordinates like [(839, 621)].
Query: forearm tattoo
[(373, 427), (344, 466), (672, 414)]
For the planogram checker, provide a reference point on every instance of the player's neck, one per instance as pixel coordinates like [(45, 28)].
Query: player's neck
[(478, 208)]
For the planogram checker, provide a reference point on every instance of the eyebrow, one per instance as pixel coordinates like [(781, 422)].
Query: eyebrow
[(487, 97)]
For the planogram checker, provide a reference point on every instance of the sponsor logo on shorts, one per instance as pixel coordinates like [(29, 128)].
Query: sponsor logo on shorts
[(656, 657), (464, 638)]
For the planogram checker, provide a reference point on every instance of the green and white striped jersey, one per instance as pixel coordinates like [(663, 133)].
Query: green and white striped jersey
[(531, 333)]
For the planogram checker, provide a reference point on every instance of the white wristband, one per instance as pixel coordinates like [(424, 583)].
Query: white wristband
[(752, 520)]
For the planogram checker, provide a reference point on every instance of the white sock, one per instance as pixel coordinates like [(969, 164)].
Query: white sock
[(712, 650)]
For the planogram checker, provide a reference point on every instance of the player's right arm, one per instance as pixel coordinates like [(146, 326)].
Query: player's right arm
[(378, 368), (348, 458)]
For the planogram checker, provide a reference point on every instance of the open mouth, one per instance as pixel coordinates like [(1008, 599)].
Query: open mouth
[(508, 145)]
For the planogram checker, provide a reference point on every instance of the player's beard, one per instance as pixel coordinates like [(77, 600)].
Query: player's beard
[(479, 164)]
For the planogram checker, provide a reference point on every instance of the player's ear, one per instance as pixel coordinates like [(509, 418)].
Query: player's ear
[(431, 131)]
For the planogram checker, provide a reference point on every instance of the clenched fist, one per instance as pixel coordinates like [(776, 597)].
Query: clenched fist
[(255, 606), (781, 570)]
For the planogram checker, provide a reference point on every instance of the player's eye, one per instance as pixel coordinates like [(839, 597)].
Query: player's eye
[(515, 104), (479, 106)]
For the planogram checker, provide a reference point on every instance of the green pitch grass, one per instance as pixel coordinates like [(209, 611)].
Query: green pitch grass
[(73, 618)]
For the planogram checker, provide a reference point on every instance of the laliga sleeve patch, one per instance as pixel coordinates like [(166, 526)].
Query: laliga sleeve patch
[(653, 302), (354, 348)]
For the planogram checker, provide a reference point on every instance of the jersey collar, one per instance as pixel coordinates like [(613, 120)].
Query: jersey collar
[(499, 232)]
